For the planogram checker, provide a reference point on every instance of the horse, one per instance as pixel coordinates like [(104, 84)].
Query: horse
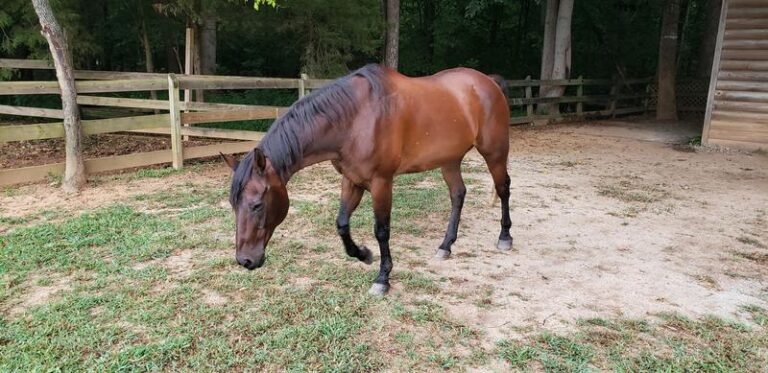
[(373, 125)]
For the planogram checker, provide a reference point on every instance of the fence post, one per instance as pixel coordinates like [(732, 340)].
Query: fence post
[(175, 110), (302, 85), (528, 96), (614, 94), (580, 95)]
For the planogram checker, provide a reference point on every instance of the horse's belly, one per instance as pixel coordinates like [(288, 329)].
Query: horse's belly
[(435, 150)]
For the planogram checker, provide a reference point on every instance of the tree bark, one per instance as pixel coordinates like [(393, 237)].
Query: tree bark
[(208, 44), (666, 108), (392, 14), (548, 49), (522, 29), (561, 65), (74, 169), (709, 39), (149, 61), (197, 59)]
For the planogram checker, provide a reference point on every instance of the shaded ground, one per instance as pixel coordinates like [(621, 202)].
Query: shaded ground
[(631, 253), (39, 152)]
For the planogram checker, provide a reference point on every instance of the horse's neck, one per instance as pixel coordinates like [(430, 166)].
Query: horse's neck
[(321, 148)]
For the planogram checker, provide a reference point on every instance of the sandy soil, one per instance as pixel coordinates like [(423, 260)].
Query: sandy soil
[(607, 221)]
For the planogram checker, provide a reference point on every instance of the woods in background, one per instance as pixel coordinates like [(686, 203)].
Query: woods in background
[(328, 38)]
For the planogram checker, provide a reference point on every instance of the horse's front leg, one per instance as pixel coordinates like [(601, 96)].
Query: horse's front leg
[(381, 194), (350, 199)]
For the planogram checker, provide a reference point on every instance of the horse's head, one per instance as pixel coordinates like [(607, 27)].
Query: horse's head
[(260, 200)]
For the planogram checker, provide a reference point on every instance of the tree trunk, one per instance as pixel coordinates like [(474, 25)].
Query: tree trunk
[(682, 45), (208, 44), (561, 65), (548, 50), (392, 14), (709, 39), (197, 62), (522, 29), (666, 108), (148, 58), (74, 170)]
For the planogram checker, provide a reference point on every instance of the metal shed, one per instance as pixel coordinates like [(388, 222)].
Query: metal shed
[(737, 103)]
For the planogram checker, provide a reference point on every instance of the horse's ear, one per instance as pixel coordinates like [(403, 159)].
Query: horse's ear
[(259, 161), (229, 160)]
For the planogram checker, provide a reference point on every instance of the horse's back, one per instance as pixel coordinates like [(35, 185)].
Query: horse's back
[(442, 116)]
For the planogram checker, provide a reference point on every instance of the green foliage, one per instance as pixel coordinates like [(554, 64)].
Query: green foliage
[(327, 39)]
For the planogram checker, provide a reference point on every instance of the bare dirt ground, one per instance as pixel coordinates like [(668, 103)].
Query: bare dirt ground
[(607, 222), (38, 152)]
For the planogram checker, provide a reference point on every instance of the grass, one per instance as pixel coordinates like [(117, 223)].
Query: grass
[(149, 283), (751, 241), (672, 344), (153, 173), (628, 192), (10, 191), (130, 301), (757, 257)]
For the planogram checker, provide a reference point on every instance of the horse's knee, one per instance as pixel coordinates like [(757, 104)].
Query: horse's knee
[(502, 188), (381, 230), (459, 193)]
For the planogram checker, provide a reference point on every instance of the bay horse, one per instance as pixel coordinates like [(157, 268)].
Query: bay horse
[(374, 124)]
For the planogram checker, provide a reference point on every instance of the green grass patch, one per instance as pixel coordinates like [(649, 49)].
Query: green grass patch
[(106, 238), (628, 192), (203, 312), (751, 241), (759, 314), (153, 173), (673, 344), (189, 197)]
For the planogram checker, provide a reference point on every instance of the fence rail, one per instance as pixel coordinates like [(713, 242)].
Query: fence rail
[(630, 96), (616, 98)]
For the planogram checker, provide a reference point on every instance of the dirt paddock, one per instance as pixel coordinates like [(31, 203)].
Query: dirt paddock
[(610, 220)]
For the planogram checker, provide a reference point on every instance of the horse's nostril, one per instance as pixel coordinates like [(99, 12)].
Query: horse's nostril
[(247, 263)]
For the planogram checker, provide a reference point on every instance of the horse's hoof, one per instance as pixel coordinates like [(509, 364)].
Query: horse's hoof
[(442, 254), (504, 245), (367, 255), (378, 290)]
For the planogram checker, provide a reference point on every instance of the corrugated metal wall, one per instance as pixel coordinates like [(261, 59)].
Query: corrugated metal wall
[(737, 107)]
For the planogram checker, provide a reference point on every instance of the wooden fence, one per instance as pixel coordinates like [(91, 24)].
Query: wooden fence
[(608, 99), (626, 97), (177, 122)]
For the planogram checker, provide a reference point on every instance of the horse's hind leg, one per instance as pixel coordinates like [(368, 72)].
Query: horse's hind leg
[(452, 177), (497, 165), (350, 198)]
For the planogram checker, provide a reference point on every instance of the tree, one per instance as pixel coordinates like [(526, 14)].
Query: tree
[(74, 171), (666, 107), (709, 38), (548, 48), (391, 49), (556, 52)]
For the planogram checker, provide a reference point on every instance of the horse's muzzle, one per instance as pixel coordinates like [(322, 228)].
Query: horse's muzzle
[(251, 264)]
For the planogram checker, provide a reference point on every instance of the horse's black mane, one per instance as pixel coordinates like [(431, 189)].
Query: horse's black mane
[(284, 143)]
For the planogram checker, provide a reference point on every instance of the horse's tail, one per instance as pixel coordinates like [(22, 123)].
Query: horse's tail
[(502, 83)]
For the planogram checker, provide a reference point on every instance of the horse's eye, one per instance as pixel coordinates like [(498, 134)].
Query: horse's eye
[(256, 206)]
